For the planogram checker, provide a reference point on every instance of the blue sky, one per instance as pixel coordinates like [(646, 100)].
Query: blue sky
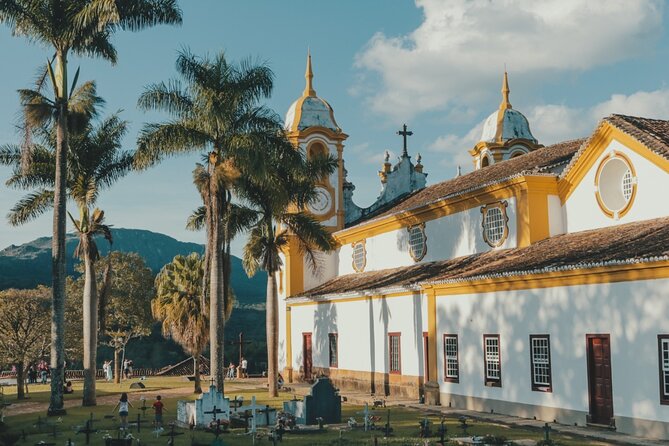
[(435, 64)]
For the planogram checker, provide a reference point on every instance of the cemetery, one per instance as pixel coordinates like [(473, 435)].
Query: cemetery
[(245, 415)]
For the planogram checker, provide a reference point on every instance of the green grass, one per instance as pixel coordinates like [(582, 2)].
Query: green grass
[(403, 421)]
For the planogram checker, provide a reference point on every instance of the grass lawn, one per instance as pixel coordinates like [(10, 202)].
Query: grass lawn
[(403, 421)]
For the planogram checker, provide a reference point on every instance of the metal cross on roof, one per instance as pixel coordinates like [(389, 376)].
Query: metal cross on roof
[(404, 133)]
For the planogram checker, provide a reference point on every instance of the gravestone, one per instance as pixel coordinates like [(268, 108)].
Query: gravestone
[(193, 413), (261, 415), (322, 402)]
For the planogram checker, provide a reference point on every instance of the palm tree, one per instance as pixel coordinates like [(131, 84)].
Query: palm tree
[(96, 162), (82, 27), (278, 200), (177, 305), (217, 113)]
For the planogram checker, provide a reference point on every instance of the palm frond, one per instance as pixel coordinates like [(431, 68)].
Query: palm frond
[(197, 219), (30, 207)]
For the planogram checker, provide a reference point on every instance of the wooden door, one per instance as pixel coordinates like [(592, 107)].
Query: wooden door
[(600, 386), (306, 354), (426, 355)]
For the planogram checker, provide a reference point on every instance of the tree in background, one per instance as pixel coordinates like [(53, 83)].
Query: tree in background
[(85, 28), (278, 200), (215, 112), (96, 161), (128, 289), (24, 330), (178, 306)]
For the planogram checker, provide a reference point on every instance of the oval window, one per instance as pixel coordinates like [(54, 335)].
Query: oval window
[(417, 242), (359, 256), (616, 185)]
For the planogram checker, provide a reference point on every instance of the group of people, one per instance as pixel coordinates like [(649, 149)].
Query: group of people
[(124, 406), (127, 368), (41, 372), (241, 370)]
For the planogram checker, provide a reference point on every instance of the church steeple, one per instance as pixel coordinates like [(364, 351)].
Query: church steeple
[(309, 76), (505, 104)]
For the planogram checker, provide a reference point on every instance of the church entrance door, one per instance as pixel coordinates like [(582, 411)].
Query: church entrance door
[(599, 378), (306, 355)]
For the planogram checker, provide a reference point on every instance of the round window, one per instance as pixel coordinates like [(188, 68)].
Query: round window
[(616, 185)]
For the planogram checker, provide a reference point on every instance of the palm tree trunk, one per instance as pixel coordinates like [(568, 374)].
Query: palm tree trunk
[(20, 381), (58, 245), (196, 372), (216, 317), (90, 327), (272, 321)]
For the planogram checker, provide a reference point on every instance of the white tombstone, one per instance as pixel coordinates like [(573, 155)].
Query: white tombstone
[(260, 415), (199, 413)]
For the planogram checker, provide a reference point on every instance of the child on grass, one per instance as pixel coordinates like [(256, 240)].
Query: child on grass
[(158, 408), (122, 405)]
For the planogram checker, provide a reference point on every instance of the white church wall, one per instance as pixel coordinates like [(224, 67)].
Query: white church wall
[(556, 218), (362, 327), (633, 313), (326, 269), (583, 212), (448, 237)]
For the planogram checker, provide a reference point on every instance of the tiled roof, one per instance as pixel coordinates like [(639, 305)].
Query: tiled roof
[(539, 161), (629, 243), (652, 133)]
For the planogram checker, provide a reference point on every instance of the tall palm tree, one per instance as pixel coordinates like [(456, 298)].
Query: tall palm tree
[(82, 27), (278, 200), (216, 113), (96, 162), (177, 305)]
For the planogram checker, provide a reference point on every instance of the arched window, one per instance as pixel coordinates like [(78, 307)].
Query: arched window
[(485, 161), (495, 223), (417, 242), (316, 149), (359, 256)]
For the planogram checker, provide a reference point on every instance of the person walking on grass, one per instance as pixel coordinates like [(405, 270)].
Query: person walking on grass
[(123, 405), (158, 408)]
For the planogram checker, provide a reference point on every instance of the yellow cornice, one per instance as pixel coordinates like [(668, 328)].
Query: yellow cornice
[(503, 190), (565, 278), (295, 135), (596, 145)]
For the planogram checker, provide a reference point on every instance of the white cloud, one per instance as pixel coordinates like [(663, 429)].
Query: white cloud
[(553, 123), (462, 46)]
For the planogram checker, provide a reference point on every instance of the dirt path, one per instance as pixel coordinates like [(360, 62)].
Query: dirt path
[(34, 407)]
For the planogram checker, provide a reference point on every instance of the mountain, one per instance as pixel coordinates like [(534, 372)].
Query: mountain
[(29, 265)]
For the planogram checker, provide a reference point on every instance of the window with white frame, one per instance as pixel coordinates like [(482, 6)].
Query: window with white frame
[(451, 360), (493, 365), (359, 256), (417, 242), (395, 353), (540, 363), (495, 223), (663, 352)]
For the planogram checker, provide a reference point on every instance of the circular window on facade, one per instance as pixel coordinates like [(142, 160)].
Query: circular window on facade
[(417, 242), (359, 256), (495, 223), (615, 185)]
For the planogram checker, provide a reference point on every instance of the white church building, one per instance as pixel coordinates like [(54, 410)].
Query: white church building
[(536, 285)]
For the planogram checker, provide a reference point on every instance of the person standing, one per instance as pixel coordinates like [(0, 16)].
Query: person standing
[(231, 371), (126, 371), (243, 367), (123, 408), (158, 408)]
